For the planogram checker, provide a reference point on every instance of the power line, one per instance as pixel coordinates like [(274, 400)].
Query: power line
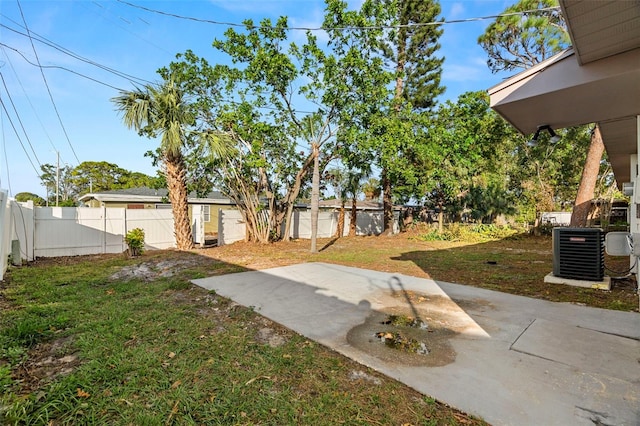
[(15, 110), (58, 67), (107, 11), (368, 27), (47, 84), (26, 95), (18, 136), (131, 78)]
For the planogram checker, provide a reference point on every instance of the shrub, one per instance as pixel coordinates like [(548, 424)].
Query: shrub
[(469, 233), (135, 241)]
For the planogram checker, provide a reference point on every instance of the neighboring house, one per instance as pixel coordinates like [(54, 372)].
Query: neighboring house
[(148, 198)]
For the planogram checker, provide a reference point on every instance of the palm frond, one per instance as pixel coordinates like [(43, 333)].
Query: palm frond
[(136, 107)]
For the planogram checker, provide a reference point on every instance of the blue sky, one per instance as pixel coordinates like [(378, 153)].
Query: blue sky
[(138, 42)]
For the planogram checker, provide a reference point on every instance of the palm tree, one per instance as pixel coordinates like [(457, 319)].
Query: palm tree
[(162, 111)]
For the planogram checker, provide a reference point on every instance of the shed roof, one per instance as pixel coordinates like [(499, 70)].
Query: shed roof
[(150, 195)]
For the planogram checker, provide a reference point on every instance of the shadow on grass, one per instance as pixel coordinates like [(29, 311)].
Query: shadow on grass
[(518, 267)]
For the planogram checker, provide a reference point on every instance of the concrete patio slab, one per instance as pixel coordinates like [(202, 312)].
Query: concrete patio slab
[(511, 360)]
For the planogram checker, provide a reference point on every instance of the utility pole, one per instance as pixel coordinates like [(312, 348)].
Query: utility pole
[(58, 178)]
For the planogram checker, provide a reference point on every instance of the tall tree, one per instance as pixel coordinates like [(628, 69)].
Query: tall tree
[(163, 111), (268, 78), (23, 197), (97, 176), (252, 103), (525, 35), (58, 183), (586, 190), (534, 33), (411, 51), (461, 150)]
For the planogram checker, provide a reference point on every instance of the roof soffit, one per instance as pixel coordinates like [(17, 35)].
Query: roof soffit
[(599, 29)]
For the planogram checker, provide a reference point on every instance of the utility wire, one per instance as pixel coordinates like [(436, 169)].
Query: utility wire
[(47, 84), (133, 79), (18, 136), (33, 108), (15, 110), (59, 67), (369, 27), (106, 11)]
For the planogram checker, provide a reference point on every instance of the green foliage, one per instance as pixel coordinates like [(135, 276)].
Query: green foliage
[(23, 197), (521, 41), (411, 50), (135, 241), (90, 176), (5, 377), (470, 233), (26, 329)]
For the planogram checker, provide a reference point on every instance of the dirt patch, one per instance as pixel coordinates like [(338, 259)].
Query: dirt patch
[(153, 269), (435, 338), (45, 362)]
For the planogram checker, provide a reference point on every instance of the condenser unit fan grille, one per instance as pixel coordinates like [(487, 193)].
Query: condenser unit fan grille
[(578, 253)]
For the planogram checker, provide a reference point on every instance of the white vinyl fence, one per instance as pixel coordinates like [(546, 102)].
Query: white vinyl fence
[(231, 226), (5, 231), (28, 232), (72, 231)]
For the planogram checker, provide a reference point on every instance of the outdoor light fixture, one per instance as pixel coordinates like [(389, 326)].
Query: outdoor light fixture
[(554, 137)]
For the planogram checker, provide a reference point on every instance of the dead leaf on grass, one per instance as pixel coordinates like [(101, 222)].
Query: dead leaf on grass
[(257, 378), (174, 411), (171, 355), (82, 394), (176, 384)]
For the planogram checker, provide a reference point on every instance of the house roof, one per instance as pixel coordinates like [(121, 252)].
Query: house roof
[(600, 29), (598, 80), (150, 195), (360, 205)]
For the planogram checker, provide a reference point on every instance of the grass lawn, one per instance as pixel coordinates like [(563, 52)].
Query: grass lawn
[(110, 340)]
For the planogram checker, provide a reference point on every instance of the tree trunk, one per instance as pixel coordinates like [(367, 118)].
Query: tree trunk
[(387, 205), (291, 196), (177, 186), (440, 218), (587, 187), (354, 218), (315, 198), (340, 226)]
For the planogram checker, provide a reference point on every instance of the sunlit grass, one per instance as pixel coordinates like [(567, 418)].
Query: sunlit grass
[(166, 352)]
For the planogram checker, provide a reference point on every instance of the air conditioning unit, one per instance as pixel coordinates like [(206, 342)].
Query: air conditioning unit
[(578, 253)]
